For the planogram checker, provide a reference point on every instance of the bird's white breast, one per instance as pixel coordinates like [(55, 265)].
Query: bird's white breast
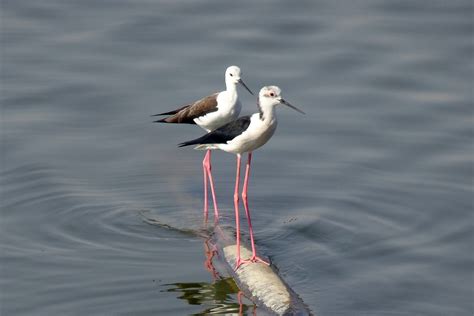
[(228, 109), (256, 135)]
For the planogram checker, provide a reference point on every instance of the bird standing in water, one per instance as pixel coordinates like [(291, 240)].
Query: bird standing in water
[(244, 135), (210, 113)]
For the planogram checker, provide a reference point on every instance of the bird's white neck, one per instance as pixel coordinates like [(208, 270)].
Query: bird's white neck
[(231, 86), (231, 91), (267, 112)]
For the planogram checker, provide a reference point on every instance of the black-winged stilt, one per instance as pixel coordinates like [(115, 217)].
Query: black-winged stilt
[(244, 135), (210, 113)]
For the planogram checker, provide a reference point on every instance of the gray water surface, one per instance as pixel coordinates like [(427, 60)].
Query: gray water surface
[(364, 204)]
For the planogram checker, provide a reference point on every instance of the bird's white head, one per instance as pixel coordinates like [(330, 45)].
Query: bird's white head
[(232, 78), (270, 96), (232, 74)]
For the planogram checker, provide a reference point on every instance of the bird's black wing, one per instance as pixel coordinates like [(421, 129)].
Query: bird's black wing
[(172, 112), (188, 113), (223, 134)]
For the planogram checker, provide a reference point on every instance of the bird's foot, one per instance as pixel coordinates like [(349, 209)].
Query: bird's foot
[(253, 259), (238, 263), (256, 259)]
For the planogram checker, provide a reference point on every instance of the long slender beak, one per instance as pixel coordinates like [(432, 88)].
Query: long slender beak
[(283, 101), (245, 86)]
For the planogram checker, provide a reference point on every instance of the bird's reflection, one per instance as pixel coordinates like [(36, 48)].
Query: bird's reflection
[(221, 296)]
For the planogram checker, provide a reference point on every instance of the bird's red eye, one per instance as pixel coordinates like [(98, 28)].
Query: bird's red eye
[(272, 94)]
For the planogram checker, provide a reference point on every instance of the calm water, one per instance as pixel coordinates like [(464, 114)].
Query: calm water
[(364, 204)]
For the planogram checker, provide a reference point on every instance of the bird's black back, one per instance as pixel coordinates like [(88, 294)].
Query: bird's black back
[(223, 134)]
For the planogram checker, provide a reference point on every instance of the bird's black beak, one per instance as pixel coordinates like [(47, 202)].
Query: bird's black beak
[(245, 86), (283, 101)]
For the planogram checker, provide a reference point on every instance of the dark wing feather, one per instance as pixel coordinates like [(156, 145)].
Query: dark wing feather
[(172, 112), (188, 113), (223, 134)]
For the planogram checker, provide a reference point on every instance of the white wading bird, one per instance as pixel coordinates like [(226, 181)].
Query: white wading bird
[(210, 113), (244, 135)]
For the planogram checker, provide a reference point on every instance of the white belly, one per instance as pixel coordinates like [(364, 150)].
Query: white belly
[(257, 134), (228, 109)]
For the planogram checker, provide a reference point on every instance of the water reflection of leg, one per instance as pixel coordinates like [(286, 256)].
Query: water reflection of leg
[(241, 305), (210, 252), (240, 297)]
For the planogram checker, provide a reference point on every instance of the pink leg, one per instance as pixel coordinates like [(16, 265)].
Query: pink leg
[(210, 251), (204, 169), (241, 304), (238, 260), (254, 257), (211, 182)]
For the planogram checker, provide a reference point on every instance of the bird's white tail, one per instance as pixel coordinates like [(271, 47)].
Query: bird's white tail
[(205, 147)]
